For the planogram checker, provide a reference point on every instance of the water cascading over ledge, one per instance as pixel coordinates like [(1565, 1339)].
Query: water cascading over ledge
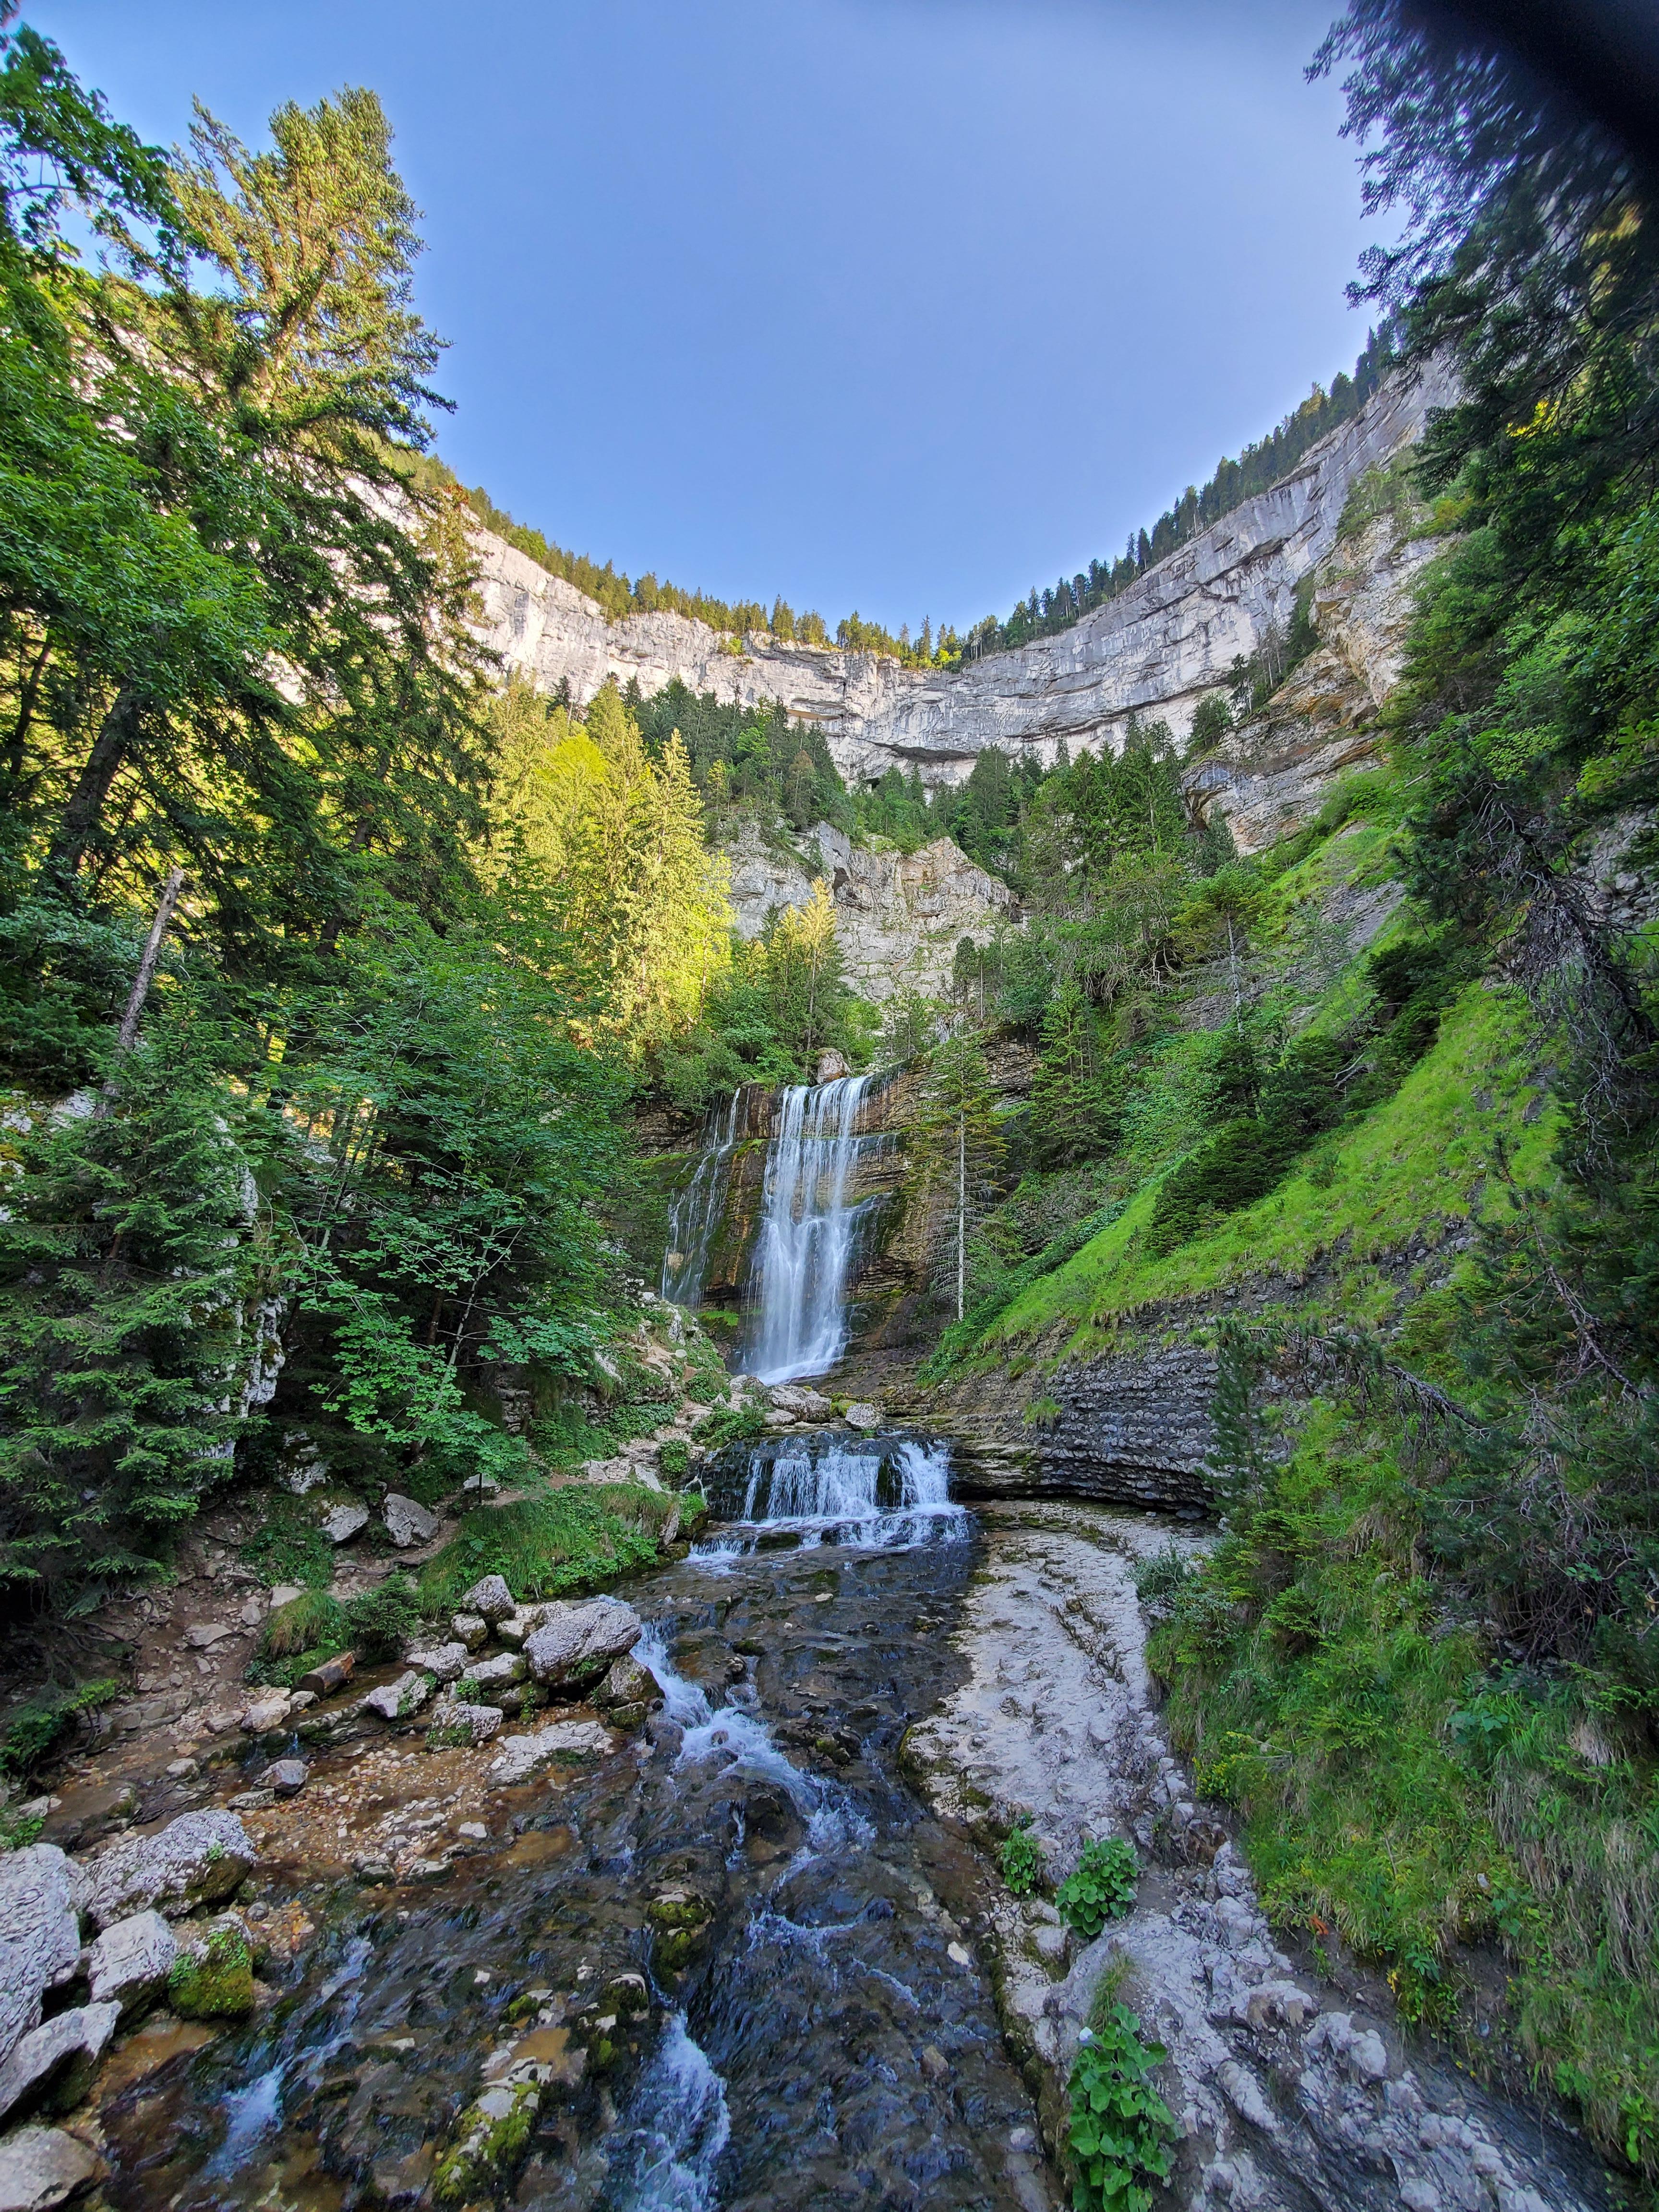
[(780, 1210)]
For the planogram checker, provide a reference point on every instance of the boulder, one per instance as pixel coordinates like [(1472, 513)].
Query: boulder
[(832, 1065), (452, 1724), (578, 1643), (396, 1701), (270, 1710), (41, 1894), (212, 1976), (344, 1522), (42, 2168), (863, 1416), (471, 1628), (407, 1520), (202, 1635), (56, 2059), (129, 1962), (491, 1597), (521, 1756), (195, 1860), (628, 1683), (443, 1662), (521, 1622), (498, 1671), (286, 1777)]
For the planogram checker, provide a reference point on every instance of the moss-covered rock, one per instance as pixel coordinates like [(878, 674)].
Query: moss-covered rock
[(494, 2134), (212, 1978), (679, 1918)]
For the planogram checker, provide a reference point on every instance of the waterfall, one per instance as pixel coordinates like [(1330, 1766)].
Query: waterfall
[(809, 1233), (696, 1213), (877, 1496)]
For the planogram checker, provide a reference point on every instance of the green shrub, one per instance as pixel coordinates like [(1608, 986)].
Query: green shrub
[(574, 1538), (32, 1728), (313, 1621), (1120, 2129), (676, 1461), (731, 1426), (1159, 1582), (1102, 1888), (1022, 1858), (381, 1621)]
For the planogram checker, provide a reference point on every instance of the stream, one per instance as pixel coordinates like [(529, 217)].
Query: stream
[(826, 2037)]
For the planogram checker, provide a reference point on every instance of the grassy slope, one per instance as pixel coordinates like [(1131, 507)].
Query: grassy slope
[(1395, 1789)]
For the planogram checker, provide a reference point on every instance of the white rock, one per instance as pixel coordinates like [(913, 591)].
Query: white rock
[(1367, 2057), (41, 1892), (499, 1669), (407, 1520), (443, 1662), (266, 1711), (42, 2168), (489, 1598), (577, 1643), (451, 1721), (129, 1962), (396, 1701), (862, 1415), (470, 1629), (521, 1756), (195, 1860), (59, 2055), (343, 1522)]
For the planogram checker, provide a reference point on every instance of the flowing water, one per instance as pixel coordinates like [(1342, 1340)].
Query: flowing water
[(824, 2037), (695, 1217), (811, 1230)]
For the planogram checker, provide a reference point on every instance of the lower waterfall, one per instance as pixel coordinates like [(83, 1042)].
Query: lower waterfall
[(809, 1232)]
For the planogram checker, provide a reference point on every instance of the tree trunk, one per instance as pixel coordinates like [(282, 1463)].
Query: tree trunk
[(961, 1213), (116, 738), (128, 1035)]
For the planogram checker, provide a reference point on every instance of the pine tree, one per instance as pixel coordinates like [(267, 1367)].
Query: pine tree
[(957, 1147), (1071, 1113)]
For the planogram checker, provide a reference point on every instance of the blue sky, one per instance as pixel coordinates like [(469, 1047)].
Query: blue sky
[(908, 305)]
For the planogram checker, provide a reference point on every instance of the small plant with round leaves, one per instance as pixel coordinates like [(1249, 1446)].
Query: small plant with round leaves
[(1022, 1858), (1120, 2129), (1102, 1888)]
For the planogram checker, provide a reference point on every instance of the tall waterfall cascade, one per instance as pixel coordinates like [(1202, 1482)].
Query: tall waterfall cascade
[(810, 1231)]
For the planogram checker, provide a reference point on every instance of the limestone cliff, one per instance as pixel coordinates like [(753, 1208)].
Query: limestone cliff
[(899, 916), (1156, 650)]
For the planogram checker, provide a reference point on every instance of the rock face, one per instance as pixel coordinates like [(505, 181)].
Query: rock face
[(195, 1860), (40, 1894), (1156, 650), (899, 917), (1286, 2094)]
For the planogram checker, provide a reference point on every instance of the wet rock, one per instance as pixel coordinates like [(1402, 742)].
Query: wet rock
[(195, 1860), (579, 1643), (407, 1520), (396, 1701), (268, 1710), (491, 1597), (344, 1522), (862, 1415), (128, 1963), (332, 1675), (41, 1892), (521, 1756), (372, 1868), (212, 1978), (443, 1662), (54, 2062), (494, 2136), (628, 1683), (471, 1630), (42, 2167), (286, 1777), (428, 1870), (934, 2063), (679, 1918), (250, 1800), (495, 1672), (453, 1725)]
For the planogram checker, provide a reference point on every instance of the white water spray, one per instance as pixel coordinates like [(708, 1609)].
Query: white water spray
[(696, 1213)]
